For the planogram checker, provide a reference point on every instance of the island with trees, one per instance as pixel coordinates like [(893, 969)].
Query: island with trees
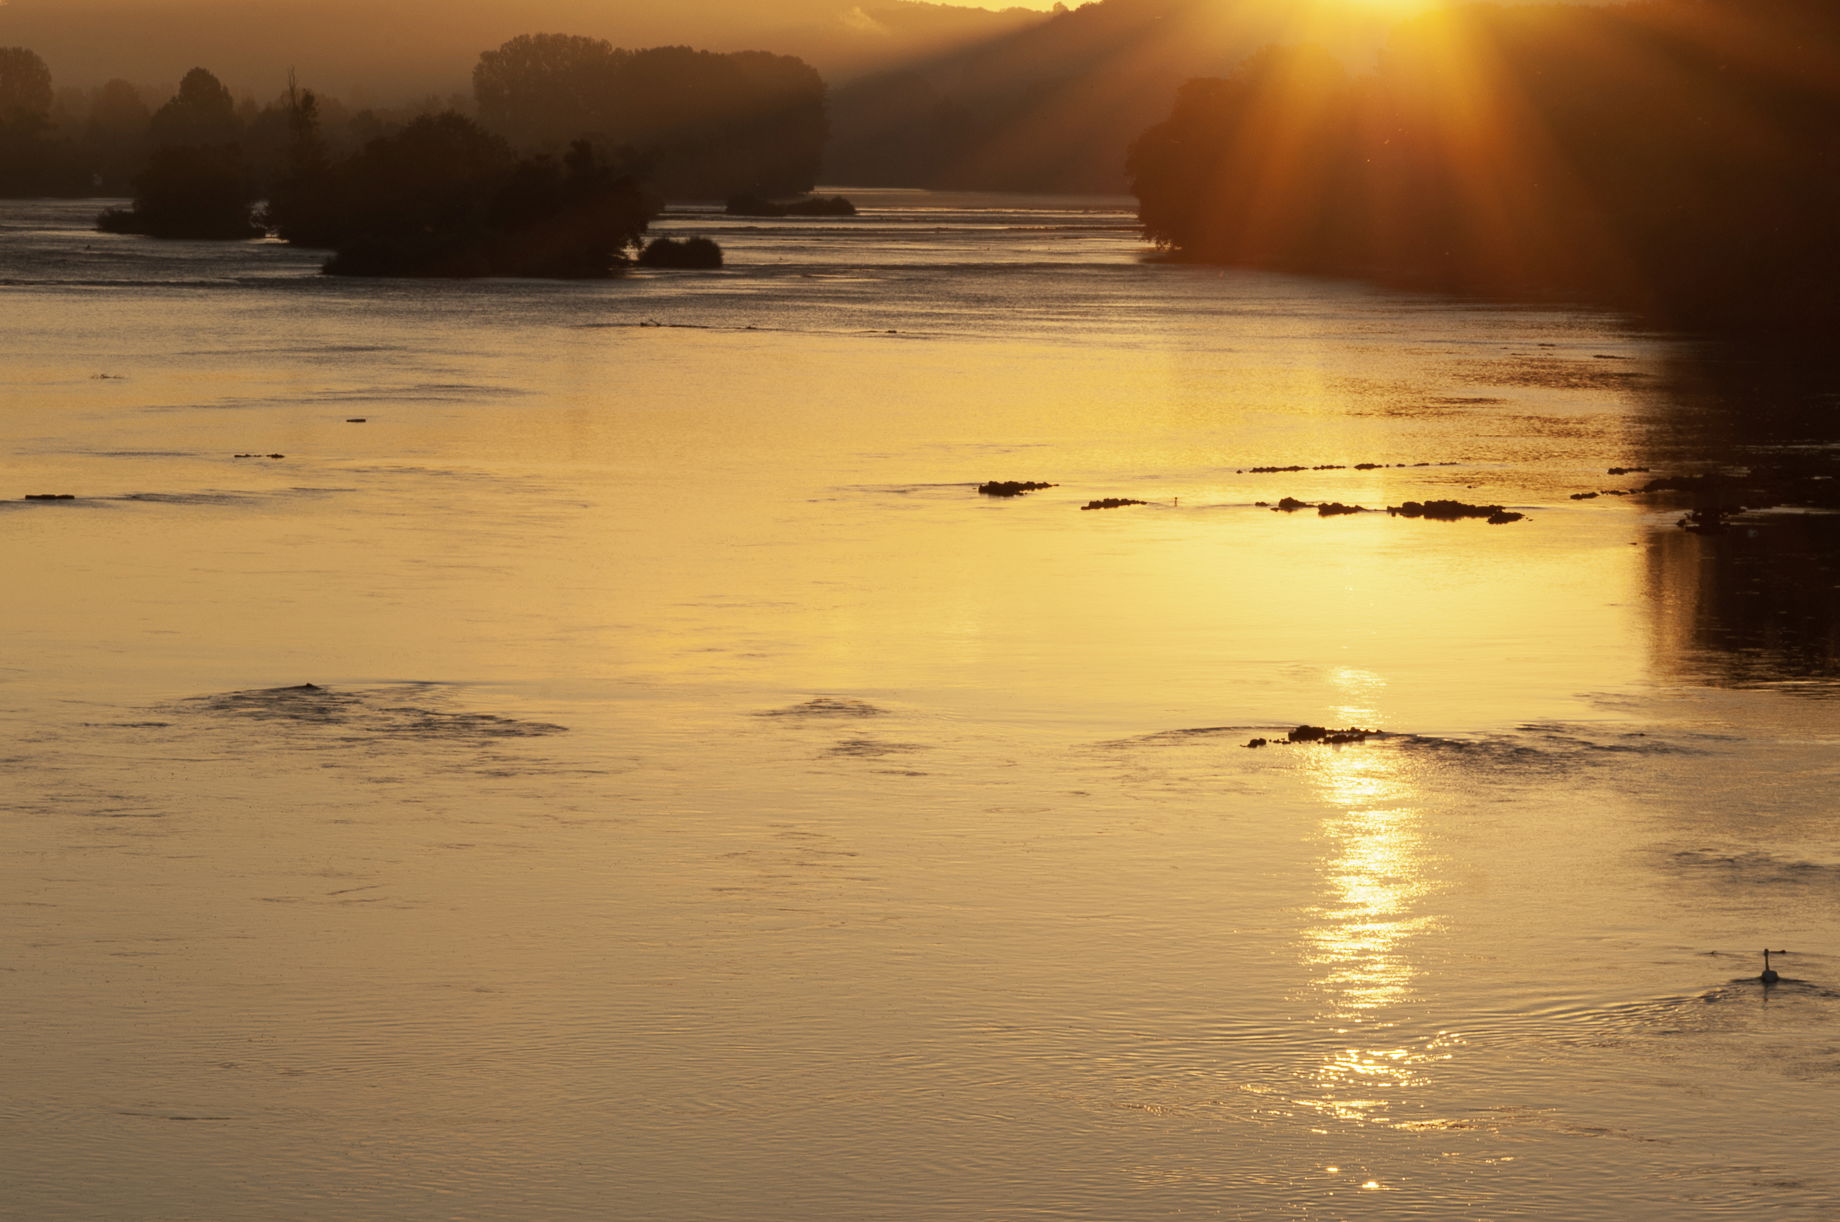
[(572, 148)]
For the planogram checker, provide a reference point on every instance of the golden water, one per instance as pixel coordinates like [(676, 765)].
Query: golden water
[(717, 810)]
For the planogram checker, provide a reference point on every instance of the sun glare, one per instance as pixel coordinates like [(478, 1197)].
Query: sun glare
[(1400, 8)]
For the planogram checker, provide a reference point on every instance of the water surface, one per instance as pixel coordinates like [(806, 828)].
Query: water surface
[(709, 807)]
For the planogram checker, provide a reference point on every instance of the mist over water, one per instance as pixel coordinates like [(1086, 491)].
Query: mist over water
[(707, 806)]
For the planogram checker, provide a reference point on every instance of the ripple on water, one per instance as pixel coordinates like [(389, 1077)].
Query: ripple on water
[(1756, 867), (841, 707), (376, 711)]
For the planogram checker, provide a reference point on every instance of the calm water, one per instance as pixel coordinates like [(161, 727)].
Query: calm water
[(711, 808)]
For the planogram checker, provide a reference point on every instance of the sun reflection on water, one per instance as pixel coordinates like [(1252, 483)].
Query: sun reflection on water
[(1359, 940)]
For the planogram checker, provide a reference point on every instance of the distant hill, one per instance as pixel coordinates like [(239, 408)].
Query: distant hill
[(1054, 105), (382, 53)]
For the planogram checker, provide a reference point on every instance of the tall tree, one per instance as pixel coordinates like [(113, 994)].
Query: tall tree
[(25, 86), (708, 125), (201, 113), (115, 136), (31, 161), (543, 90)]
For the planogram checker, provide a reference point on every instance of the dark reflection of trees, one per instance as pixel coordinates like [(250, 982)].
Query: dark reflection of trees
[(1757, 602)]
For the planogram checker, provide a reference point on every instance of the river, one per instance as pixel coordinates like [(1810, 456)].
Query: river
[(708, 806)]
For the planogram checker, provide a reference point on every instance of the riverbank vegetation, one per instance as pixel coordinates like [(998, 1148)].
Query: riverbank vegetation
[(1678, 157), (690, 124)]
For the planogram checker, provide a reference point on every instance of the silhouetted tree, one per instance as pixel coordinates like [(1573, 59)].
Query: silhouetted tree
[(443, 197), (700, 254), (25, 86), (1674, 156), (115, 136), (201, 113), (543, 90), (705, 124), (302, 203), (189, 191), (31, 159)]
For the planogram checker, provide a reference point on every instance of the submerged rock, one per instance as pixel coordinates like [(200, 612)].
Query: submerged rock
[(828, 706), (1011, 487), (1684, 483), (407, 712)]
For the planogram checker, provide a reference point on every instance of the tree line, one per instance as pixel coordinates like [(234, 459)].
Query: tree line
[(698, 124), (1680, 157), (575, 145)]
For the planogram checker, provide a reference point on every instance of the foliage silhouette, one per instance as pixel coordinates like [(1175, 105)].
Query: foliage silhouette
[(201, 113), (114, 143), (691, 253), (189, 191), (444, 197), (196, 183), (32, 160), (705, 125), (1676, 157), (302, 205), (25, 86)]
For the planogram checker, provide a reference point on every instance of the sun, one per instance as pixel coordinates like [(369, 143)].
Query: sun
[(1394, 8)]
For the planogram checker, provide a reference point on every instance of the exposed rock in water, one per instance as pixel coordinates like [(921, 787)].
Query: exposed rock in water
[(1112, 502), (1360, 466), (51, 496), (1319, 734), (1627, 471), (1709, 519), (1455, 511), (1327, 509), (1011, 487)]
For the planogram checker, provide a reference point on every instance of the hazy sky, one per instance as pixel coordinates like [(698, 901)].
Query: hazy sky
[(389, 46), (384, 51)]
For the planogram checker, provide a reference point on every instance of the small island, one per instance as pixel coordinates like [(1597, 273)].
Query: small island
[(815, 205)]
